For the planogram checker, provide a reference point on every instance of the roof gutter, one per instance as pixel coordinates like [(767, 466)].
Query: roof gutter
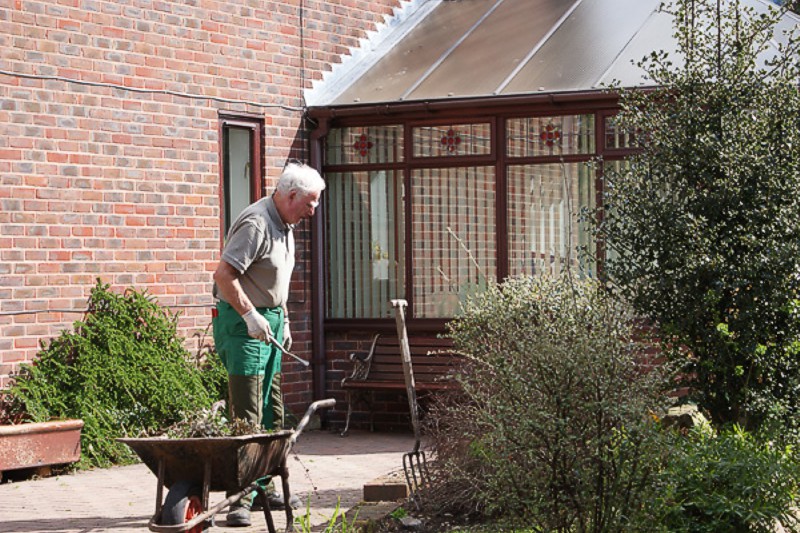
[(484, 102)]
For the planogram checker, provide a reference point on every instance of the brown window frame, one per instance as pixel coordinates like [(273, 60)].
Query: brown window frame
[(257, 186), (497, 157)]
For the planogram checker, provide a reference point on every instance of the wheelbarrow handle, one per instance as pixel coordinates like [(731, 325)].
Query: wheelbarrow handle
[(330, 402)]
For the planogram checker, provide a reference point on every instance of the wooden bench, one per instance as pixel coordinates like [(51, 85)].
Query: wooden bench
[(432, 359)]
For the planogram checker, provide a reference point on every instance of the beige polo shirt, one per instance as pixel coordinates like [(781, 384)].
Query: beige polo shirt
[(260, 246)]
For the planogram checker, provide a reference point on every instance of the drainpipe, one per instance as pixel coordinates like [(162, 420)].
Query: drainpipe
[(318, 366)]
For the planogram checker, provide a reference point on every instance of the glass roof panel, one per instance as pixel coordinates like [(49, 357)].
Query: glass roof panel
[(406, 63), (656, 34), (474, 48), (583, 48), (490, 53)]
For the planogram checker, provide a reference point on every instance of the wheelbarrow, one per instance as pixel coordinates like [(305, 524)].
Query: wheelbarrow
[(193, 467)]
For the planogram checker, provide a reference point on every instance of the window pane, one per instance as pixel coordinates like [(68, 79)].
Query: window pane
[(365, 246), (612, 169), (459, 139), (546, 136), (453, 236), (616, 137), (238, 171), (544, 202), (377, 144)]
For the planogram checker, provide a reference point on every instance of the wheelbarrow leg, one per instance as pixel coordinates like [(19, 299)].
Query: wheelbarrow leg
[(207, 486), (287, 496), (159, 489), (262, 495)]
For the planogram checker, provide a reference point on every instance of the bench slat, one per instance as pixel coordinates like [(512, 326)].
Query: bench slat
[(423, 356), (419, 369), (394, 385), (419, 340), (386, 365)]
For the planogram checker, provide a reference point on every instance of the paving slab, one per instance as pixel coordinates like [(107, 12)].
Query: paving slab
[(326, 471)]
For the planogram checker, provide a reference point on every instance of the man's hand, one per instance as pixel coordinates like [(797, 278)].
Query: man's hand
[(287, 336), (257, 325)]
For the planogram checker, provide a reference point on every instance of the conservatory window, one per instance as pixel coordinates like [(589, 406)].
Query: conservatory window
[(453, 236), (452, 140), (613, 168), (544, 206), (365, 245), (617, 138), (550, 136), (364, 145)]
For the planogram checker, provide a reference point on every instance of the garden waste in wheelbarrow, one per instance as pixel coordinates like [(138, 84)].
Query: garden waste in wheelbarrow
[(193, 467)]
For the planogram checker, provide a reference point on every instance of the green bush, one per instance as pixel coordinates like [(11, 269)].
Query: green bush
[(122, 370), (728, 483), (703, 232), (212, 372), (550, 426)]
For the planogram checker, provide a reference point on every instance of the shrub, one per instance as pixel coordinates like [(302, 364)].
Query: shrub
[(550, 426), (702, 230), (731, 482), (212, 372), (122, 369)]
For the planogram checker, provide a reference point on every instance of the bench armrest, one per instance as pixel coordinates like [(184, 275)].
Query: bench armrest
[(358, 357), (360, 367), (361, 363)]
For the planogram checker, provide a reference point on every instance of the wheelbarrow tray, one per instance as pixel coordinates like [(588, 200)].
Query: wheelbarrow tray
[(232, 462)]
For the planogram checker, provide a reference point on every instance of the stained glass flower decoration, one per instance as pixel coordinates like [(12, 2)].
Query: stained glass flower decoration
[(550, 135), (362, 145), (451, 140)]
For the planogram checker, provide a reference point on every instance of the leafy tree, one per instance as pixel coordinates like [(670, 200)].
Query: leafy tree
[(703, 225), (793, 5)]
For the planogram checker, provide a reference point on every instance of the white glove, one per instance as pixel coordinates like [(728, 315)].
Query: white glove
[(287, 336), (257, 325)]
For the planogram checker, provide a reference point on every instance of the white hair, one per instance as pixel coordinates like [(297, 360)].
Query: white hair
[(297, 176)]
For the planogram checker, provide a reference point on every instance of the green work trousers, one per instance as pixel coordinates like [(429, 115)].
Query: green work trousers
[(254, 373), (254, 367)]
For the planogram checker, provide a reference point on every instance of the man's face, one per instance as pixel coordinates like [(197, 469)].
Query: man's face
[(301, 206)]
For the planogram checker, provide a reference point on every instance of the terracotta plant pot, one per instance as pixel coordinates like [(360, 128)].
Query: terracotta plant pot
[(40, 444)]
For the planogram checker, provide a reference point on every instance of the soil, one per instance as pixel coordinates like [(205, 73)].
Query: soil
[(421, 521)]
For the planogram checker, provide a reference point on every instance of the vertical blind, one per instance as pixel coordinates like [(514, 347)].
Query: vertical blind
[(453, 236), (544, 202), (365, 248)]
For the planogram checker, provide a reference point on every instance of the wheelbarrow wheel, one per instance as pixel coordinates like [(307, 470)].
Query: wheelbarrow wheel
[(182, 504)]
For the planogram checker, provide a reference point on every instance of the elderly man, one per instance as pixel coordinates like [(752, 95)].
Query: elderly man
[(252, 285)]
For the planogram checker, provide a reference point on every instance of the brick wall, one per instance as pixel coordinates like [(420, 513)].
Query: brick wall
[(109, 146)]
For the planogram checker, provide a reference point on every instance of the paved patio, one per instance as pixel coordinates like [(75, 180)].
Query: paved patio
[(324, 469)]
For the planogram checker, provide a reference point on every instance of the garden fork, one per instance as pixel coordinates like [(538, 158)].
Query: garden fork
[(415, 465)]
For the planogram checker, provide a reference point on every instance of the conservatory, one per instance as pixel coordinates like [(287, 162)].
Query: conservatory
[(463, 145), (454, 157)]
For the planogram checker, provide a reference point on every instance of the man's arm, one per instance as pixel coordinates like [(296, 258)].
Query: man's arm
[(287, 332), (227, 279)]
